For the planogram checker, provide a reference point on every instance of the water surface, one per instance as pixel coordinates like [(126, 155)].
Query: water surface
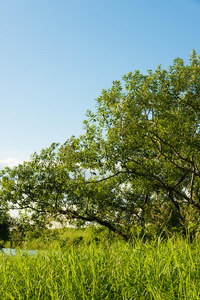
[(10, 251)]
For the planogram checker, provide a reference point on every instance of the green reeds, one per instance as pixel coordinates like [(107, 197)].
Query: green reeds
[(154, 270)]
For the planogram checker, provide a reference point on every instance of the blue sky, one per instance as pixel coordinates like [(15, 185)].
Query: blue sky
[(57, 55)]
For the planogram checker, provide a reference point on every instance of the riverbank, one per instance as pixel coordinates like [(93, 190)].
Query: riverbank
[(49, 239), (159, 269)]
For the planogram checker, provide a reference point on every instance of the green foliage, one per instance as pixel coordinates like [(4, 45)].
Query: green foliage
[(48, 239), (156, 270), (4, 227), (139, 154)]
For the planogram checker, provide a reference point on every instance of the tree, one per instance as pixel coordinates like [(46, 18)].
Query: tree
[(4, 226), (53, 183), (140, 150), (151, 130)]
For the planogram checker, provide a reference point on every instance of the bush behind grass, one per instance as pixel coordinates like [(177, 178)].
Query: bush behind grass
[(47, 239), (161, 269), (51, 239)]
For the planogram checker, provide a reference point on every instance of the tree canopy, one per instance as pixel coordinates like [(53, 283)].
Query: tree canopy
[(140, 151)]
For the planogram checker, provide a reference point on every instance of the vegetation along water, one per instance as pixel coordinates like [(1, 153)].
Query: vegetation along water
[(159, 269), (134, 172)]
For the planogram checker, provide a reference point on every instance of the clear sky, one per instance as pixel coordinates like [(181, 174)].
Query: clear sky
[(57, 55)]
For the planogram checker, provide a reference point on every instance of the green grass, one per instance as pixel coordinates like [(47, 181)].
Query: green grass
[(49, 239), (154, 270)]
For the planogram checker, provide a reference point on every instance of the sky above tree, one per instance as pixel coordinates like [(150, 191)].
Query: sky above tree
[(57, 56)]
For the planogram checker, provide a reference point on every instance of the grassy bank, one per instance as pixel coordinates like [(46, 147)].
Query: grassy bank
[(48, 239), (57, 238), (154, 270)]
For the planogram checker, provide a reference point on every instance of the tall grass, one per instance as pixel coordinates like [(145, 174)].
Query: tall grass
[(154, 270), (48, 239)]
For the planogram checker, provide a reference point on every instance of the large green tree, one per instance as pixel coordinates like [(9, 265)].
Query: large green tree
[(140, 150)]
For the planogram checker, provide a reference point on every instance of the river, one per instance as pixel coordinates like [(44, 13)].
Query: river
[(10, 251)]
